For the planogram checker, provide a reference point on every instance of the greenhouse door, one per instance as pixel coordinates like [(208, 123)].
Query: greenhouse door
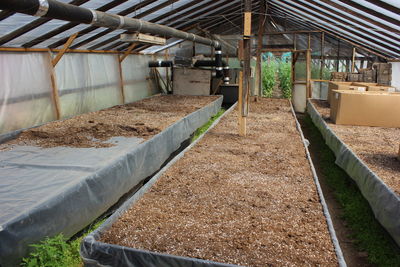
[(301, 79)]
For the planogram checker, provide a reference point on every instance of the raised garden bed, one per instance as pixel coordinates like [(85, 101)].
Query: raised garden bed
[(368, 155), (59, 177), (228, 200)]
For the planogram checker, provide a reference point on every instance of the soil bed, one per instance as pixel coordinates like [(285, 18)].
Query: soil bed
[(144, 119), (248, 201), (376, 146)]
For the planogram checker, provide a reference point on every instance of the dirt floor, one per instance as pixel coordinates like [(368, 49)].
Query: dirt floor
[(241, 200), (143, 119), (376, 146)]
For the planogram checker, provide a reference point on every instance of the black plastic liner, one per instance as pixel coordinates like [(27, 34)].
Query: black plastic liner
[(47, 191)]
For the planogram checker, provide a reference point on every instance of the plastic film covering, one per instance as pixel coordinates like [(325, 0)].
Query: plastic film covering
[(44, 192), (135, 70), (88, 82), (26, 92), (95, 253), (383, 201)]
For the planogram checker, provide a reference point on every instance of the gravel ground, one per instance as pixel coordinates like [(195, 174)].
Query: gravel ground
[(240, 200), (376, 146), (144, 119)]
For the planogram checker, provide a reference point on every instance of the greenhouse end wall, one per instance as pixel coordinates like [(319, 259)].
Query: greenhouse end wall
[(85, 82)]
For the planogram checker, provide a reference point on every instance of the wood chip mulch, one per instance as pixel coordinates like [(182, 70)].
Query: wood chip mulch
[(376, 146), (143, 119), (239, 200)]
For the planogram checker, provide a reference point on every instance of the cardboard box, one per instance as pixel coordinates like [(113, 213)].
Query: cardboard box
[(398, 154), (365, 108), (358, 88), (337, 86), (364, 84), (382, 88)]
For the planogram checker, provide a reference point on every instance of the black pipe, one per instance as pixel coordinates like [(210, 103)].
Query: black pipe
[(155, 64), (218, 62), (62, 11)]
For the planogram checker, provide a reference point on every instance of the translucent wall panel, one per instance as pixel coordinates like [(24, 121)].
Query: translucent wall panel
[(135, 71), (25, 91), (88, 82)]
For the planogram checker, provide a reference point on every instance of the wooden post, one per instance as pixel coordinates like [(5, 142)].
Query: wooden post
[(308, 64), (353, 62), (261, 25), (322, 55), (53, 63), (338, 55), (242, 119), (166, 57), (309, 41), (244, 107), (54, 87), (121, 79)]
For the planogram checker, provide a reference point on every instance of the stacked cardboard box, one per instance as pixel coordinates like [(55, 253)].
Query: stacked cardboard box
[(354, 77), (383, 73), (365, 108), (381, 88), (368, 75), (338, 76)]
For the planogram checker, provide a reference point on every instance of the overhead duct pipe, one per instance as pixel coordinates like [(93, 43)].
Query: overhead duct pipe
[(57, 10)]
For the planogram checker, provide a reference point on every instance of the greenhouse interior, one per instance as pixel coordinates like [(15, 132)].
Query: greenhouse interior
[(199, 133)]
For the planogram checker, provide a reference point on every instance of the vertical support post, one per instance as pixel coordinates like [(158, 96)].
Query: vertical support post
[(353, 61), (322, 55), (56, 96), (295, 41), (244, 108), (53, 63), (166, 57), (121, 79), (309, 41), (242, 119), (261, 25), (308, 63), (338, 55)]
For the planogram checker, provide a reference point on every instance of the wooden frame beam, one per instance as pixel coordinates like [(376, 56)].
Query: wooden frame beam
[(127, 52), (64, 49)]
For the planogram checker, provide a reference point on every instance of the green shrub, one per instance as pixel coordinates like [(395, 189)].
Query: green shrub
[(268, 76), (285, 76), (55, 251)]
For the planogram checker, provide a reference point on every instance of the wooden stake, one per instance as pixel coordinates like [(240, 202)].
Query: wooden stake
[(308, 63), (242, 119), (64, 49)]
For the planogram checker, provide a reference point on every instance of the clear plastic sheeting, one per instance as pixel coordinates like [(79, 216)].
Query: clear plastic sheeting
[(44, 192), (88, 82), (96, 253), (26, 91), (135, 70), (384, 202)]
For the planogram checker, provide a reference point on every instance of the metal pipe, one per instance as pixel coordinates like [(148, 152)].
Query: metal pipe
[(62, 11), (160, 63)]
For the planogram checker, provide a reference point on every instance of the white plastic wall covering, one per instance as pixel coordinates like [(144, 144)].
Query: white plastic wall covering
[(396, 75), (367, 14), (332, 23), (87, 82), (338, 31), (135, 70), (374, 28), (26, 91)]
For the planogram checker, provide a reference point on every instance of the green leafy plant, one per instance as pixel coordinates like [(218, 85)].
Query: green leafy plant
[(58, 251), (285, 76), (269, 76), (207, 125)]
